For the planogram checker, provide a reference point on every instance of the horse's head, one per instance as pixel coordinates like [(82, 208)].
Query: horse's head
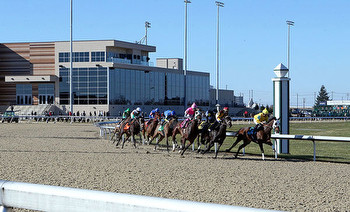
[(276, 125), (228, 121), (157, 116)]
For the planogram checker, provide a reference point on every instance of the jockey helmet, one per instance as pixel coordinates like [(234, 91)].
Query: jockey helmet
[(265, 111), (138, 109), (128, 109), (194, 105), (173, 113), (157, 110), (226, 108)]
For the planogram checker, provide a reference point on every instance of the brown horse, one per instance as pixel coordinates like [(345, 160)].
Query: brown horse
[(190, 133), (149, 129), (218, 135), (120, 128), (262, 136), (134, 129), (166, 132)]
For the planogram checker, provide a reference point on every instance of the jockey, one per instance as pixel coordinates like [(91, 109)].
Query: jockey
[(168, 114), (136, 113), (189, 114), (261, 118), (221, 114), (219, 117), (210, 116), (126, 113), (153, 113)]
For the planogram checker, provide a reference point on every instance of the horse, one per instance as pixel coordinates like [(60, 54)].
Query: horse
[(218, 135), (190, 133), (262, 136), (166, 132), (203, 135), (149, 129), (118, 130), (135, 128)]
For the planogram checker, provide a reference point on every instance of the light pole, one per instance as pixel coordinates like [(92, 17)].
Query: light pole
[(147, 25), (219, 4), (185, 54), (71, 59), (289, 23)]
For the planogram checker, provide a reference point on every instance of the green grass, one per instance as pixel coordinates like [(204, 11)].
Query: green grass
[(303, 150)]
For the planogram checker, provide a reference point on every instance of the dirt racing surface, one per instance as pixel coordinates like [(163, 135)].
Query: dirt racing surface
[(73, 155)]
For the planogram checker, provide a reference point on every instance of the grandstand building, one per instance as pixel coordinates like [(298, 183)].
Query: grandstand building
[(108, 76)]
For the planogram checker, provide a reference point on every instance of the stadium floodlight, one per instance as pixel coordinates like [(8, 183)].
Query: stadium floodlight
[(218, 4), (289, 23), (185, 55)]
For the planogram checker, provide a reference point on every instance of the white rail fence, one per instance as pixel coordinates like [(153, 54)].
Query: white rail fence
[(55, 198), (311, 138)]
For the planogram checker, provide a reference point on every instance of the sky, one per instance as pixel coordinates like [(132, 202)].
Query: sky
[(253, 38)]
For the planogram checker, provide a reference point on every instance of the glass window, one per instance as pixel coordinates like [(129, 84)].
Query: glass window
[(97, 56)]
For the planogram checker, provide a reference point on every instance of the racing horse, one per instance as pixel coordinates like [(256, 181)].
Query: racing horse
[(118, 129), (262, 136), (217, 135), (165, 133), (135, 128), (190, 133), (150, 127)]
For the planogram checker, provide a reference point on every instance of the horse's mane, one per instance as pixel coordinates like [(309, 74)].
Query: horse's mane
[(271, 118)]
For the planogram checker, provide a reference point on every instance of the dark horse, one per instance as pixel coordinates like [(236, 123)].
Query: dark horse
[(217, 135), (134, 129), (262, 136), (190, 133), (149, 129), (166, 132)]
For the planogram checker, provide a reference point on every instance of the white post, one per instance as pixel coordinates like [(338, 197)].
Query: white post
[(281, 105)]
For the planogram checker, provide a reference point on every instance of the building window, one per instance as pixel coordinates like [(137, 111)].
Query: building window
[(24, 94), (64, 57), (97, 56), (89, 86)]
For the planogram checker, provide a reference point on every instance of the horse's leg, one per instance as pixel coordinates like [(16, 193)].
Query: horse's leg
[(184, 148), (133, 140), (119, 138), (159, 140), (125, 140), (173, 138), (241, 147), (217, 151), (210, 145), (262, 149), (234, 144), (114, 132), (167, 142), (198, 142)]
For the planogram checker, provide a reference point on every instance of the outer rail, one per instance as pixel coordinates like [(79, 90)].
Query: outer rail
[(55, 198)]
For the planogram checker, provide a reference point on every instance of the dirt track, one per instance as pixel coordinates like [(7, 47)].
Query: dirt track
[(74, 156)]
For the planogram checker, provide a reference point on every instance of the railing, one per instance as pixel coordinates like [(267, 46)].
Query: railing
[(54, 118), (55, 198), (311, 138)]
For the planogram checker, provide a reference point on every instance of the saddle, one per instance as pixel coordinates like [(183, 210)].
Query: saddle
[(252, 133), (203, 125), (184, 123), (126, 127)]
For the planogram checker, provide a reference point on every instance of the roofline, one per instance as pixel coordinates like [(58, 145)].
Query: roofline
[(74, 41)]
